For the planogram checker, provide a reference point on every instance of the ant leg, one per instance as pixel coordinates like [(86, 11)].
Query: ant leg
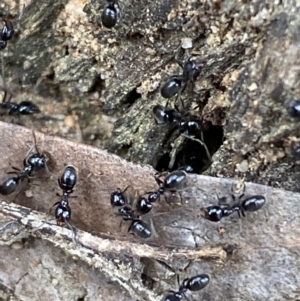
[(232, 193), (18, 190), (57, 203), (186, 297), (167, 103), (179, 96), (176, 108), (158, 180), (158, 175), (129, 229), (47, 169), (74, 233), (166, 199), (176, 57), (16, 168), (199, 141), (241, 211), (222, 200), (12, 173)]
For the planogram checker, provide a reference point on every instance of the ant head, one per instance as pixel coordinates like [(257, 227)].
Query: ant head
[(37, 161), (154, 196), (212, 213), (117, 198), (27, 107)]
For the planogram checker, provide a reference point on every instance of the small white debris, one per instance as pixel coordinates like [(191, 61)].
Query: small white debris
[(243, 166), (186, 43)]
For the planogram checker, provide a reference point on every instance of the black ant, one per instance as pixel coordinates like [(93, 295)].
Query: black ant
[(66, 183), (109, 15), (6, 33), (118, 199), (174, 179), (251, 204), (193, 284), (137, 226), (293, 108), (187, 128), (32, 163), (143, 206), (187, 168), (25, 107), (173, 85)]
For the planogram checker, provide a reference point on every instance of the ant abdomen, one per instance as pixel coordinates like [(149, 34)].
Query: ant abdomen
[(171, 87), (9, 186), (68, 178), (174, 179), (253, 203), (140, 229)]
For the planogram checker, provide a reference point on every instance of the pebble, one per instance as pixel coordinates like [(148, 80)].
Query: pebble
[(243, 166), (17, 245), (70, 121), (186, 43)]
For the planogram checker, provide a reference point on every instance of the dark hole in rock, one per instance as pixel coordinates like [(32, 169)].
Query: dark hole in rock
[(67, 50), (163, 162), (192, 154), (98, 85), (147, 281), (122, 152), (131, 97)]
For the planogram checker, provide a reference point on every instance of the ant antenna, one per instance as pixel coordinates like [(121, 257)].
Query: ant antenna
[(34, 142)]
